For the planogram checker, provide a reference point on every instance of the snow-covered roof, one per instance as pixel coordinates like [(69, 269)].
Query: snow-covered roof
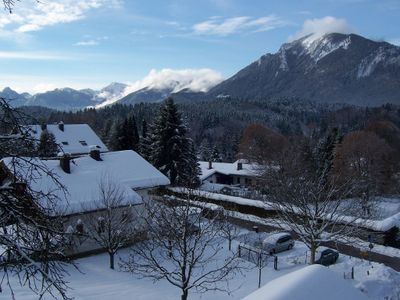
[(313, 282), (74, 139), (227, 169), (127, 169)]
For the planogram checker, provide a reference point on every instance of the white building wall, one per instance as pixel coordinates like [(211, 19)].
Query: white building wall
[(82, 243)]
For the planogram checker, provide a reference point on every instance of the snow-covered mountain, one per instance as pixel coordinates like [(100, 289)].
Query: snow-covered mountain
[(14, 98), (62, 99), (146, 94), (113, 90), (158, 85), (330, 68), (65, 98)]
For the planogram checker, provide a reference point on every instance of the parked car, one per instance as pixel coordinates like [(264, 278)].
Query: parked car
[(278, 242), (328, 257)]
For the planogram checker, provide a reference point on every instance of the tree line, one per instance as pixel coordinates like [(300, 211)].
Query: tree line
[(217, 126)]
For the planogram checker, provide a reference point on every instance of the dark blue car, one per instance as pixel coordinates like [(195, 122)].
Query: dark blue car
[(328, 257)]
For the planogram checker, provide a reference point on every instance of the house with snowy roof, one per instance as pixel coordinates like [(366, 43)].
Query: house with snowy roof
[(81, 178), (313, 282), (236, 173), (71, 138)]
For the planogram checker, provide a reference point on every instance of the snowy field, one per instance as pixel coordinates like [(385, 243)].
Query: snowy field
[(95, 281)]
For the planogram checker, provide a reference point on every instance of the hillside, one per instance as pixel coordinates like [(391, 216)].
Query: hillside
[(334, 68)]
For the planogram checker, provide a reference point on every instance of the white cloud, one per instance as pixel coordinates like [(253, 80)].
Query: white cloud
[(224, 27), (32, 56), (87, 43), (394, 41), (32, 15), (196, 80), (91, 41), (320, 27)]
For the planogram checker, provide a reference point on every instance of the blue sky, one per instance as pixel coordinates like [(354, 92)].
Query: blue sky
[(90, 43)]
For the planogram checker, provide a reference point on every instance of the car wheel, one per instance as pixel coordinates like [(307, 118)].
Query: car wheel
[(290, 247)]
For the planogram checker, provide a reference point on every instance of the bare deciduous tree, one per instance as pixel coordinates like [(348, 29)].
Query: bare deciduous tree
[(313, 208), (228, 230), (261, 144), (366, 158), (113, 226), (31, 238), (184, 249)]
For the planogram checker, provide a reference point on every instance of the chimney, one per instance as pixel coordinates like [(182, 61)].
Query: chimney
[(65, 163), (95, 154), (43, 126), (210, 164), (239, 166), (61, 125)]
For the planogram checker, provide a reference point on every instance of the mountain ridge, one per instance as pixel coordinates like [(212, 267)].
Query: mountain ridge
[(330, 68)]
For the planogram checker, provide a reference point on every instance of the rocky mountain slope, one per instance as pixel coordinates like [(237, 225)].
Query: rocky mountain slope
[(332, 68)]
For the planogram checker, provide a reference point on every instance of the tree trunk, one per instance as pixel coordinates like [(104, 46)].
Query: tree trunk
[(185, 294), (313, 249), (111, 260)]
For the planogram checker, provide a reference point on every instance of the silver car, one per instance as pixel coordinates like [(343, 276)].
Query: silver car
[(278, 242)]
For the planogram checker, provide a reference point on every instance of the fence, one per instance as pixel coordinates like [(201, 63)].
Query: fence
[(258, 257), (254, 255)]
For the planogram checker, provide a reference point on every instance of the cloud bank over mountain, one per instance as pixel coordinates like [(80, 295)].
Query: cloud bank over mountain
[(322, 26), (195, 80)]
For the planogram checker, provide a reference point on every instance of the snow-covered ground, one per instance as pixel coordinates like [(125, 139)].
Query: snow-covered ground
[(95, 281)]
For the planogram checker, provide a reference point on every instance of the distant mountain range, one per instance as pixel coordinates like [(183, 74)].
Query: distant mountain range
[(334, 68), (65, 98)]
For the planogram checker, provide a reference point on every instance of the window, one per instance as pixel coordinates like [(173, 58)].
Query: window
[(238, 180), (284, 239), (79, 226), (101, 225), (64, 143), (83, 143), (125, 216)]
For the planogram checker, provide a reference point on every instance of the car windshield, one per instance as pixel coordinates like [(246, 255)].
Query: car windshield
[(272, 239)]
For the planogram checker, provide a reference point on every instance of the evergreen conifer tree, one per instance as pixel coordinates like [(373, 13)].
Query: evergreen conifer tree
[(172, 152), (191, 169), (327, 151), (215, 156), (47, 146), (145, 142), (132, 134), (116, 142)]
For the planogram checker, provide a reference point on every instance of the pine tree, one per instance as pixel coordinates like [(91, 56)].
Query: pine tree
[(327, 151), (215, 156), (190, 176), (145, 142), (116, 142), (204, 150), (132, 134), (47, 146), (172, 152)]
